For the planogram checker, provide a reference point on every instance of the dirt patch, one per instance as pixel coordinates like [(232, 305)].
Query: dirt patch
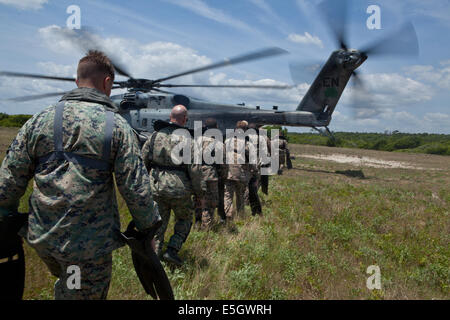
[(364, 161)]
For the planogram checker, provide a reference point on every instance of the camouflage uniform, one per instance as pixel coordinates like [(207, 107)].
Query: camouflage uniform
[(208, 175), (237, 179), (73, 217), (282, 153), (170, 184)]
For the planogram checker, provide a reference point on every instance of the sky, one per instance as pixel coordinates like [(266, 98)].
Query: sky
[(157, 38)]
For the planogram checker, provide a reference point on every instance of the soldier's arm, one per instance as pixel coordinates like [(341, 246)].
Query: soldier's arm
[(132, 177), (146, 153), (16, 171)]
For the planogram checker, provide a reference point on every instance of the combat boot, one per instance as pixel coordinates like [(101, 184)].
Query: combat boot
[(171, 256)]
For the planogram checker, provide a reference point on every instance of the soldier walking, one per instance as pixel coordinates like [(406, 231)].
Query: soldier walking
[(171, 183), (210, 174), (238, 174), (71, 150)]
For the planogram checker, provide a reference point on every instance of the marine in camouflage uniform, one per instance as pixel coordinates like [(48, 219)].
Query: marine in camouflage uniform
[(209, 175), (251, 192), (238, 175), (73, 216), (171, 184), (283, 145)]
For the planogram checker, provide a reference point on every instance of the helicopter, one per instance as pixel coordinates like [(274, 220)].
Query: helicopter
[(147, 100)]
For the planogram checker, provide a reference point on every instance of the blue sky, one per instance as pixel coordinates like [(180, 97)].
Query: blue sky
[(156, 38)]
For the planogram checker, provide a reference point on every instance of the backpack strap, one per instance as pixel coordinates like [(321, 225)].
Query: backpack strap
[(60, 154)]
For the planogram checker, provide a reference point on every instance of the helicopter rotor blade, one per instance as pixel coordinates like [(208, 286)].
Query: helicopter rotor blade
[(164, 91), (264, 53), (41, 96), (335, 15), (37, 96), (85, 39), (36, 76), (401, 42), (305, 72), (362, 105), (239, 86)]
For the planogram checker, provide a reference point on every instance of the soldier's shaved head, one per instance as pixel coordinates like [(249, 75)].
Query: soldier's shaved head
[(178, 115), (242, 125), (211, 123), (95, 70)]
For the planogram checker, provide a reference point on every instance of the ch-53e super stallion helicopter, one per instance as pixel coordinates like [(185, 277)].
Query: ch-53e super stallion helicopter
[(146, 101)]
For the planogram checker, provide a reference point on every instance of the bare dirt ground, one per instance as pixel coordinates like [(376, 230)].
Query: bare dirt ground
[(372, 158)]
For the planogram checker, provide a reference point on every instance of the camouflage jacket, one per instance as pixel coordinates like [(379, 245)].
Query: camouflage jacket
[(169, 179), (283, 145), (238, 167), (210, 170), (73, 210)]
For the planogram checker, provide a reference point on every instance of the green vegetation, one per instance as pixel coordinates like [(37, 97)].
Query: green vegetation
[(401, 142), (16, 120), (322, 227)]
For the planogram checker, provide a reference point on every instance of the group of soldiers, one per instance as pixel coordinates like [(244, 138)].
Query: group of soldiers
[(75, 150)]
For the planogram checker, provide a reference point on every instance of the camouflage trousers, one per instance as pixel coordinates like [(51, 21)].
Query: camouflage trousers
[(207, 204), (95, 277), (183, 209), (282, 159), (234, 187), (253, 197)]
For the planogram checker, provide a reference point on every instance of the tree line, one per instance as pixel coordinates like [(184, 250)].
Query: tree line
[(395, 141)]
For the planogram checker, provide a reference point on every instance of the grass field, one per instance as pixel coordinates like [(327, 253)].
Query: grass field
[(324, 223)]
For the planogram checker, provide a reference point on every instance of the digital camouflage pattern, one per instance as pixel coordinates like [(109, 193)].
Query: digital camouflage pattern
[(238, 177), (209, 176), (234, 187), (238, 168), (95, 277), (183, 210), (73, 210), (172, 184), (283, 145)]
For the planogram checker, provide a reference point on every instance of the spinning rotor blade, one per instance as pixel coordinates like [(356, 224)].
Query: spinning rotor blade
[(41, 96), (36, 76), (239, 86), (87, 40), (361, 102), (403, 41), (164, 91), (335, 15), (37, 96), (305, 72), (274, 51)]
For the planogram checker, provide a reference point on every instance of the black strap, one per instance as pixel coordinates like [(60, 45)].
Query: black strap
[(109, 127), (60, 154)]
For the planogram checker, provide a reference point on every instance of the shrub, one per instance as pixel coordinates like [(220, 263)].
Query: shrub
[(410, 142)]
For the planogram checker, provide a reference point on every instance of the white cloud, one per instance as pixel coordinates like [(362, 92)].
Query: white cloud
[(202, 9), (54, 69), (385, 91), (25, 4), (305, 39), (155, 60), (439, 76), (271, 17)]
